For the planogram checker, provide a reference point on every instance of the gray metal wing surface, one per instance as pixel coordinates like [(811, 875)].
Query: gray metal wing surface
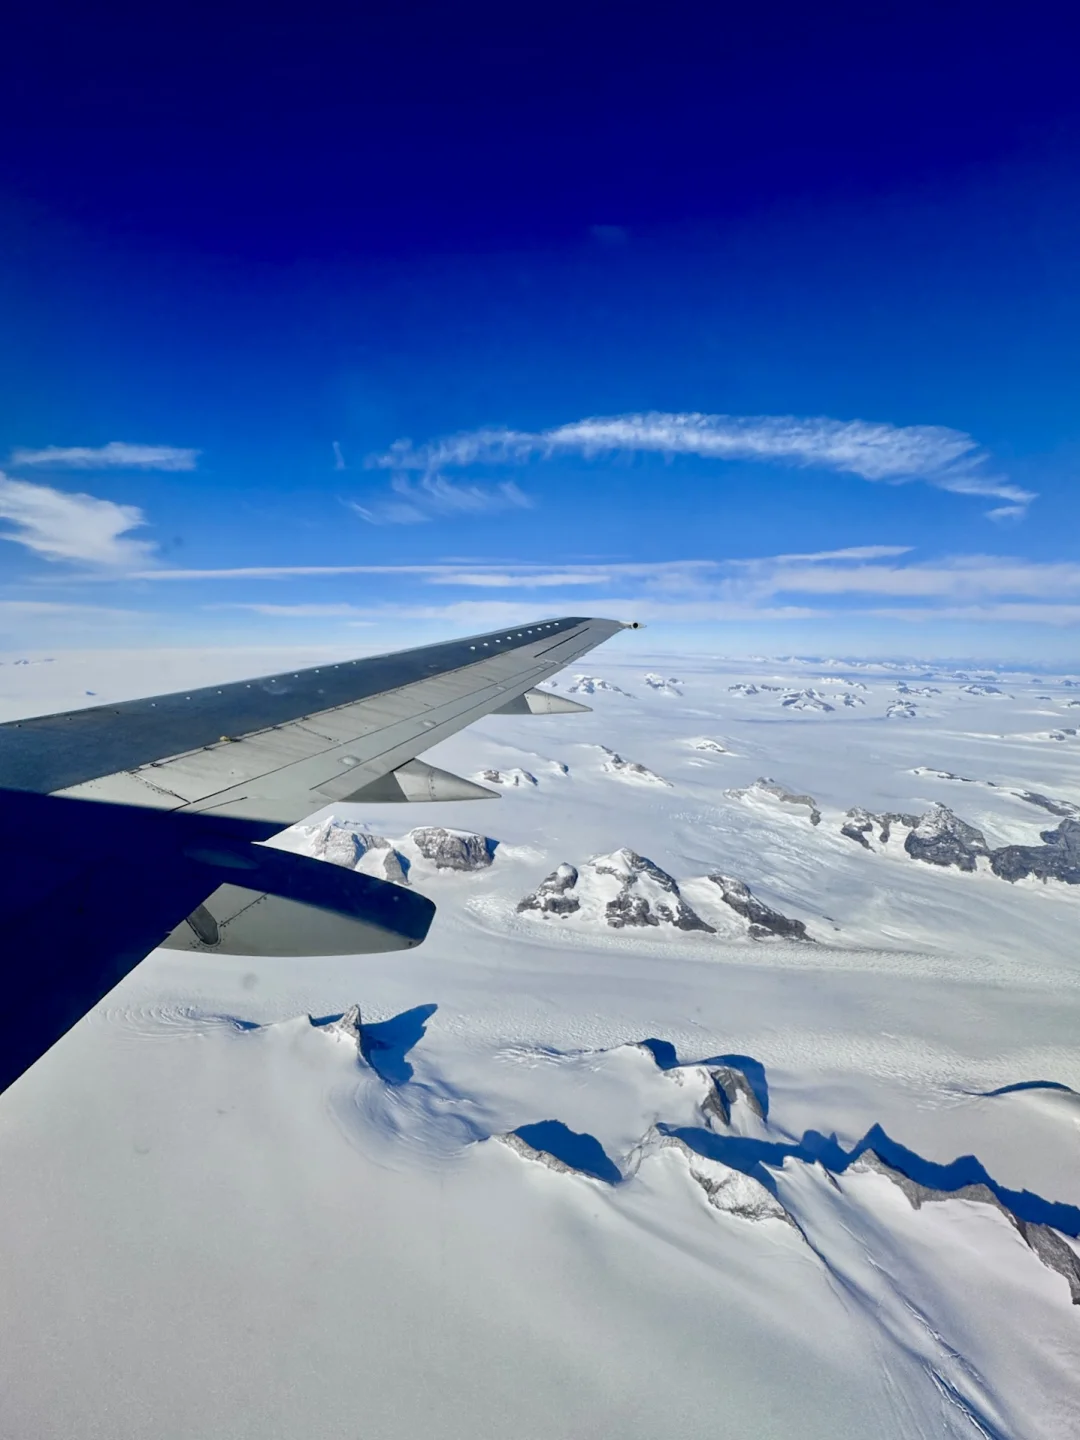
[(283, 746), (128, 826)]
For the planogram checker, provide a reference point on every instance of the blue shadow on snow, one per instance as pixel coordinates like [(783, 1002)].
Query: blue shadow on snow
[(751, 1156), (1027, 1085), (582, 1152), (667, 1058), (385, 1044)]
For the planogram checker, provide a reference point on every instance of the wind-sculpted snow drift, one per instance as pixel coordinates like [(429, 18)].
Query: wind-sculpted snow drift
[(740, 1159), (733, 1133)]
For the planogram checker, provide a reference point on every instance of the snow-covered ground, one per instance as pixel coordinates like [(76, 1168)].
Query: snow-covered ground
[(681, 1121)]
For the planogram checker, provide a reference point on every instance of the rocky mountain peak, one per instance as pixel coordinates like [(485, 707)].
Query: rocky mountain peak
[(623, 889), (453, 849), (764, 921)]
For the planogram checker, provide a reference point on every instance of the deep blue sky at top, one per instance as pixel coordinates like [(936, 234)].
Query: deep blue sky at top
[(262, 232)]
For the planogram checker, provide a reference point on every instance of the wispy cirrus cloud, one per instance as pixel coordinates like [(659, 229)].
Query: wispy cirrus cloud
[(433, 497), (298, 612), (485, 614), (59, 610), (493, 576), (851, 552), (853, 571), (61, 526), (960, 577), (116, 455), (873, 580), (1000, 614), (894, 454)]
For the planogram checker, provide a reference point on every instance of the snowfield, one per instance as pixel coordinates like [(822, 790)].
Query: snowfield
[(736, 1092)]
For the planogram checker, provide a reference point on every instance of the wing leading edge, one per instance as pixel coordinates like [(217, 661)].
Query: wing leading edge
[(184, 786)]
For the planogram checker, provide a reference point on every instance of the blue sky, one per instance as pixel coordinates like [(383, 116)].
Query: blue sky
[(764, 333)]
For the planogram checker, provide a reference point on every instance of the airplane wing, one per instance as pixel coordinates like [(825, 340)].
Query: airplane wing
[(134, 825)]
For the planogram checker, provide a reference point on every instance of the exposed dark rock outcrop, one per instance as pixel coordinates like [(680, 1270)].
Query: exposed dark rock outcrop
[(764, 921), (554, 895), (1055, 1252), (392, 866), (941, 838), (732, 1086), (341, 842), (806, 700), (950, 775), (592, 685), (763, 785), (1057, 858), (731, 1191), (615, 764), (858, 824), (453, 849), (635, 905), (937, 837), (712, 746), (513, 778), (348, 1026), (1056, 807), (644, 895)]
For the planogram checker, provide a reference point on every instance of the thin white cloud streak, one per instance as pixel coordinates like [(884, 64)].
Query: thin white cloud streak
[(433, 497), (298, 612), (527, 576), (492, 613), (817, 573), (339, 458), (63, 527), (968, 576), (274, 572), (935, 454), (495, 580), (55, 609), (853, 552), (1049, 614), (116, 455), (778, 587)]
